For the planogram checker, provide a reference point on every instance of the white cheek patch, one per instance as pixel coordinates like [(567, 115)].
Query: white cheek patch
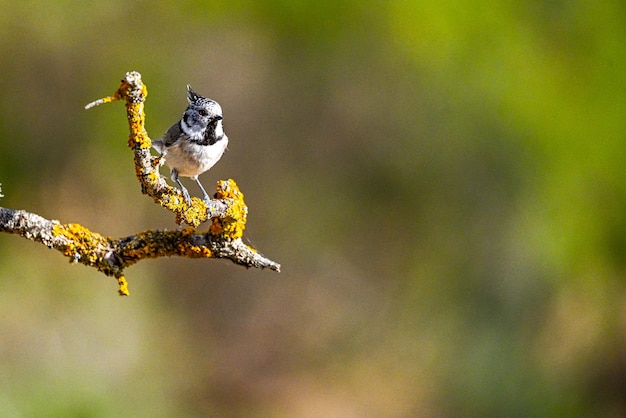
[(219, 130)]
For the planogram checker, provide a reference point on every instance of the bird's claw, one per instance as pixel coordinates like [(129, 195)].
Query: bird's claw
[(186, 196)]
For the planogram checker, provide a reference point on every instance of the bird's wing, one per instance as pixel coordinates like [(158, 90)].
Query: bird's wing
[(172, 135)]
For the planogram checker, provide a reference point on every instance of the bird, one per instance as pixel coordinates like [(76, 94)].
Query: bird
[(195, 143)]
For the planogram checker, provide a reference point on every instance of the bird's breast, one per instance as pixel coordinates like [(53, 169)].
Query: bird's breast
[(191, 159)]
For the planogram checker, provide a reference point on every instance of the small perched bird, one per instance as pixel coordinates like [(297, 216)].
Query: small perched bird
[(195, 143)]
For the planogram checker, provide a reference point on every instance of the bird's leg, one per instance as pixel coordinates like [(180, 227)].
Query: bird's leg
[(180, 184), (207, 199)]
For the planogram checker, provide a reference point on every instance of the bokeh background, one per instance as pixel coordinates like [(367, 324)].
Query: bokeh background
[(444, 184)]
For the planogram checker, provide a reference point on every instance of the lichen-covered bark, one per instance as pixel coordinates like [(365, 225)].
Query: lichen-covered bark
[(134, 92), (227, 212)]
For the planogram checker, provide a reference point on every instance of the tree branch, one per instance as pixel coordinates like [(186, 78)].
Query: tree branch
[(134, 92), (227, 212)]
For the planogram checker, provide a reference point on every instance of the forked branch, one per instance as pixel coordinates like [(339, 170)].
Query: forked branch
[(227, 213)]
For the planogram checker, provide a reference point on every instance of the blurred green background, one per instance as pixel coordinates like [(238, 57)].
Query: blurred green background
[(444, 184)]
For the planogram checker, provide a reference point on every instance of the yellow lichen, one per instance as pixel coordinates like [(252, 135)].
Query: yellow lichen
[(153, 244), (191, 215), (111, 257), (233, 223), (83, 245), (136, 120), (136, 115), (188, 250), (148, 244), (153, 177), (123, 286), (201, 252)]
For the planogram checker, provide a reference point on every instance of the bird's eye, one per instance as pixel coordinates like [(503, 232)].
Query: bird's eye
[(202, 112)]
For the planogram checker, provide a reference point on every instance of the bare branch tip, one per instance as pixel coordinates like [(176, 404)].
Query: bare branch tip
[(100, 101)]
